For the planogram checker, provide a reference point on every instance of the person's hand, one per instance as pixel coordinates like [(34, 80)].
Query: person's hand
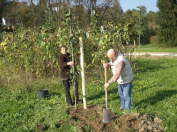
[(106, 85), (105, 65), (71, 63)]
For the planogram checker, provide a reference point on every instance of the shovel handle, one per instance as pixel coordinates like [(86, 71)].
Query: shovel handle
[(106, 92), (105, 75)]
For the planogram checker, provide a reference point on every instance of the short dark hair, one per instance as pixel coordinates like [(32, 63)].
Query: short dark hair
[(63, 46)]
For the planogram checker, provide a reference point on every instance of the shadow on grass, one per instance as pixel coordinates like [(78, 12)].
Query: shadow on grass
[(150, 65), (102, 94), (160, 95), (147, 88)]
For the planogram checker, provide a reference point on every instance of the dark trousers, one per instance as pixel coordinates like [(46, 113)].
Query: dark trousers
[(76, 93), (66, 84)]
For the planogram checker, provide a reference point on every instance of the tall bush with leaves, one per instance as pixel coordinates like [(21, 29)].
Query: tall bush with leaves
[(31, 50), (35, 50)]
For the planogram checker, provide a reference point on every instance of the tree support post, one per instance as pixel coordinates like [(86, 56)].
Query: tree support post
[(82, 72)]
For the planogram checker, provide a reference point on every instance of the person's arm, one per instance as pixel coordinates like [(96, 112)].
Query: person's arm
[(106, 65), (119, 67)]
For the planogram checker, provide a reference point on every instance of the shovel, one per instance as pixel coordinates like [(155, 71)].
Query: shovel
[(107, 115)]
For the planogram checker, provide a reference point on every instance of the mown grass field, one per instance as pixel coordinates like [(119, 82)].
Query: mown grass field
[(154, 92), (155, 48)]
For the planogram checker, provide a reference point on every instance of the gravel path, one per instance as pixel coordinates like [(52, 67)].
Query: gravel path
[(153, 54)]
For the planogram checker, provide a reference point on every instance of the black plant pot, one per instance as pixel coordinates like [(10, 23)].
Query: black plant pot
[(43, 93)]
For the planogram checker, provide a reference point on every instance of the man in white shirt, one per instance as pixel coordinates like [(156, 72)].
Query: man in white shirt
[(122, 74)]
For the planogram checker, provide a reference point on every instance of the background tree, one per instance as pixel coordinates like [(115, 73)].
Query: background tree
[(2, 4), (142, 25), (136, 19), (152, 25), (167, 22)]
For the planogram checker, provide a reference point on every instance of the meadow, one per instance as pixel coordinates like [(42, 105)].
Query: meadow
[(154, 47), (154, 92)]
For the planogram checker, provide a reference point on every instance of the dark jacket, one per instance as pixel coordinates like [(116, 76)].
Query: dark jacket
[(64, 68)]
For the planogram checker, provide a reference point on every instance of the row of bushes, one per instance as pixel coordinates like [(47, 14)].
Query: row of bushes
[(36, 50)]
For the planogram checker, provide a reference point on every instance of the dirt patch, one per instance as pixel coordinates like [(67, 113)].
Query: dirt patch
[(90, 120)]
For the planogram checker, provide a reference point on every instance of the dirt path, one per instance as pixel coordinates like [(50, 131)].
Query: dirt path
[(158, 54)]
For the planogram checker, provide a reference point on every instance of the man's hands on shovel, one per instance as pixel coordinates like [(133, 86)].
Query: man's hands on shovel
[(106, 85)]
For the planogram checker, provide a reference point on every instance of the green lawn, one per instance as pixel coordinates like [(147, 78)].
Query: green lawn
[(155, 48), (154, 92)]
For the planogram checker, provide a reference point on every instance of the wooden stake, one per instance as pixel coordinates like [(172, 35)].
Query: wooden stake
[(82, 72)]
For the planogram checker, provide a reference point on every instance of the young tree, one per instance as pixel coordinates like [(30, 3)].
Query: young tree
[(167, 22)]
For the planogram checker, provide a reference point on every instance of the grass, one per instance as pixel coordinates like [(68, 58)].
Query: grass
[(154, 92), (155, 48)]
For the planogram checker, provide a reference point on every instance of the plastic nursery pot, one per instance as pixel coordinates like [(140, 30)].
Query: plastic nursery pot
[(107, 115), (43, 93)]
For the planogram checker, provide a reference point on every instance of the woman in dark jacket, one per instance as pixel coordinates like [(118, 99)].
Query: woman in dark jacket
[(65, 66)]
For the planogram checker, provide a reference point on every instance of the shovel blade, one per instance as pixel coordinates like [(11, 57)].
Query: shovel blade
[(107, 115)]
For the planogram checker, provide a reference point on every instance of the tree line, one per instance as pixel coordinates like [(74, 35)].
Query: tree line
[(144, 27)]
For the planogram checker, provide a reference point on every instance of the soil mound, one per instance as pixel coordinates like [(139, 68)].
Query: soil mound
[(90, 120)]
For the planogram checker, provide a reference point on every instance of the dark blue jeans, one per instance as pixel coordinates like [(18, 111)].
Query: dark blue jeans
[(66, 84), (125, 95)]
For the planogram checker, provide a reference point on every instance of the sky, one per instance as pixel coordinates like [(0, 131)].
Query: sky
[(131, 4)]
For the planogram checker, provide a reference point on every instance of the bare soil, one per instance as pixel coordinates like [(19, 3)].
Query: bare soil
[(90, 120)]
